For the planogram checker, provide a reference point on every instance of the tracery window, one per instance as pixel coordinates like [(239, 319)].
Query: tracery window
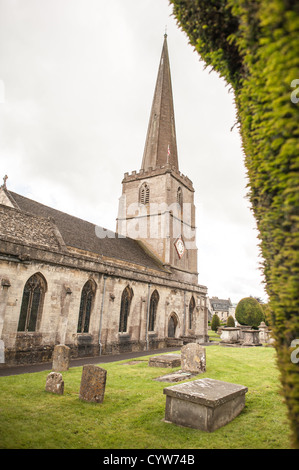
[(126, 300), (32, 303), (153, 310), (144, 194), (86, 304), (191, 310)]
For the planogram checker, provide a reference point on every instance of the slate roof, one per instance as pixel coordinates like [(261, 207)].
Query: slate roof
[(220, 304), (80, 234)]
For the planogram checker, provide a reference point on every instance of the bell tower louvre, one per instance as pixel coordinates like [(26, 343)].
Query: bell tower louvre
[(157, 203)]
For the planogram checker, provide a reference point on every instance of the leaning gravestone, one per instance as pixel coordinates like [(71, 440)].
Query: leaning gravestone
[(60, 358), (54, 383), (93, 383), (193, 358)]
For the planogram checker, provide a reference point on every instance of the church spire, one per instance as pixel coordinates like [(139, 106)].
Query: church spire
[(160, 146)]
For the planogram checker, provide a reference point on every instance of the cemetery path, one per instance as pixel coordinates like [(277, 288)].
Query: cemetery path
[(76, 362)]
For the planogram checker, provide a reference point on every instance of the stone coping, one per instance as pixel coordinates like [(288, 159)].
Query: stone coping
[(208, 392)]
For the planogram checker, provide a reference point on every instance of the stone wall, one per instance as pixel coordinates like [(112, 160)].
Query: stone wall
[(65, 276)]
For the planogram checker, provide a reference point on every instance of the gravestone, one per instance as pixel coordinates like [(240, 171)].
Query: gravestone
[(54, 383), (60, 358), (204, 404), (93, 383), (193, 358), (165, 360)]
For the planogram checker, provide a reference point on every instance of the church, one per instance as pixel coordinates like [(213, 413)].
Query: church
[(67, 281)]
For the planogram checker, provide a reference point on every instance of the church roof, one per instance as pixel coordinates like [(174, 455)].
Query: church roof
[(80, 234), (160, 146)]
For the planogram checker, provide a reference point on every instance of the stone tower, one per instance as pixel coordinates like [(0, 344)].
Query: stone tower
[(157, 203)]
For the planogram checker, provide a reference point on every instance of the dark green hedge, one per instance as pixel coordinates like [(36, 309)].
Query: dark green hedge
[(254, 45)]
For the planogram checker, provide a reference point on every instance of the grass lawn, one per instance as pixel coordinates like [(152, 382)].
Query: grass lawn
[(131, 416)]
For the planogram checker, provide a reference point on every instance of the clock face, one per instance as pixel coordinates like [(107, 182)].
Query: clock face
[(180, 247)]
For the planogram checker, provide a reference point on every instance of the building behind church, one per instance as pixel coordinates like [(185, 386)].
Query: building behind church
[(66, 281), (221, 307)]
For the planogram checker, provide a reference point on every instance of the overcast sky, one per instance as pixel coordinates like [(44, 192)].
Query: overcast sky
[(77, 80)]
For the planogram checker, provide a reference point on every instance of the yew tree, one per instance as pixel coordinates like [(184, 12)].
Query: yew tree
[(254, 46)]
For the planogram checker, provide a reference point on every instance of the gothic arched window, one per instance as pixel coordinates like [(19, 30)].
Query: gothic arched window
[(191, 310), (126, 300), (179, 197), (144, 194), (153, 310), (86, 304), (32, 303)]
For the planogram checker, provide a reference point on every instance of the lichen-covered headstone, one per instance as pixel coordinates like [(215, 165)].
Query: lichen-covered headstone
[(61, 358), (93, 383), (54, 383), (193, 358)]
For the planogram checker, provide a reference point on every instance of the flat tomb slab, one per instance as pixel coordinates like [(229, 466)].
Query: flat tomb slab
[(175, 377), (204, 404), (165, 360)]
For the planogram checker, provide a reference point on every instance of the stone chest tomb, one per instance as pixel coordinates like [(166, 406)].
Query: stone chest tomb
[(204, 404)]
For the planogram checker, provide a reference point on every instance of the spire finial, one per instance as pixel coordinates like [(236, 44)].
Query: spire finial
[(165, 33), (4, 182)]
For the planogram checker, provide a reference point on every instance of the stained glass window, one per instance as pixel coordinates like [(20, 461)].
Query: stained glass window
[(191, 310), (86, 304), (32, 303), (126, 299), (153, 310)]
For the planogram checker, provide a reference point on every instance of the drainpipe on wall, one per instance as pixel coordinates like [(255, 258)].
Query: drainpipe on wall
[(101, 315), (147, 315), (184, 329)]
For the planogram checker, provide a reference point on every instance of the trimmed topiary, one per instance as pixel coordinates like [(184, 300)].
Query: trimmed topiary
[(215, 322), (249, 312), (230, 322)]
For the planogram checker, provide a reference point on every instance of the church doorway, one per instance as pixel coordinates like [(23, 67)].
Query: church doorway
[(172, 325)]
